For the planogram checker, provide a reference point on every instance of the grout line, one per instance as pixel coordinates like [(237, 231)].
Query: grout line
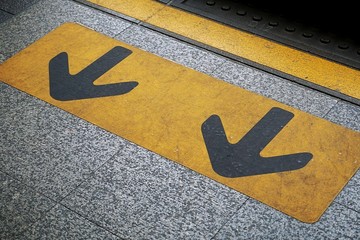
[(88, 176), (1, 9), (93, 222), (327, 112), (96, 224), (56, 202), (144, 21), (60, 204), (31, 189), (37, 220), (230, 217), (345, 206)]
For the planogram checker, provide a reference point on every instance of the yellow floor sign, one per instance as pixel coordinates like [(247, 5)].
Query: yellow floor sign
[(288, 159), (315, 71)]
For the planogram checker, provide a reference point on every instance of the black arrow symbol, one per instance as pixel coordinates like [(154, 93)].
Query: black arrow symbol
[(243, 158), (64, 86)]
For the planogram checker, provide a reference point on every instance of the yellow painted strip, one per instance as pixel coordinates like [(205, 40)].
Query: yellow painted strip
[(305, 66), (165, 111), (141, 10)]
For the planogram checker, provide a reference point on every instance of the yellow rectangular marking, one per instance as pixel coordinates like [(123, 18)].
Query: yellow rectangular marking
[(165, 111), (288, 60)]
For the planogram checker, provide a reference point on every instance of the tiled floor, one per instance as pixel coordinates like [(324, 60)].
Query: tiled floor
[(64, 178)]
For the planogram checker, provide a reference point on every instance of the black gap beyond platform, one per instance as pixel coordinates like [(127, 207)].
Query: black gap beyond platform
[(329, 31)]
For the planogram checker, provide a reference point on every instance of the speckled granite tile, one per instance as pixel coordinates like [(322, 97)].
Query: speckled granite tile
[(48, 148), (20, 206), (4, 16), (171, 49), (140, 195), (350, 195), (61, 223), (345, 114), (16, 6), (276, 88), (257, 221), (28, 26), (2, 58)]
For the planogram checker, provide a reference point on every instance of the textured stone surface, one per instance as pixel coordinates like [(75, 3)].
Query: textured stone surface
[(140, 195), (275, 88), (4, 16), (16, 6), (48, 148), (171, 49), (61, 223), (41, 18), (2, 58), (345, 114), (257, 221), (20, 206), (350, 195)]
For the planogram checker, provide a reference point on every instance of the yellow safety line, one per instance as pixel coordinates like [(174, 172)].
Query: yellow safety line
[(141, 10), (285, 59)]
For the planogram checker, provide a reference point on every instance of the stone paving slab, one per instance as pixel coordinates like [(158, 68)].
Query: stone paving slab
[(16, 6), (47, 148), (20, 206), (140, 195), (61, 223), (257, 221)]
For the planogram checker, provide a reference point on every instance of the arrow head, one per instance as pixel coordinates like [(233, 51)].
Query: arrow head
[(64, 86), (243, 158)]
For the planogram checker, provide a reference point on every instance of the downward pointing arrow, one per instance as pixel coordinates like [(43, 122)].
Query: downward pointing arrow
[(64, 86), (243, 158)]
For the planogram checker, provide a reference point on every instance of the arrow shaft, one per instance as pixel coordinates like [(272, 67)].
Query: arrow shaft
[(266, 129), (103, 64)]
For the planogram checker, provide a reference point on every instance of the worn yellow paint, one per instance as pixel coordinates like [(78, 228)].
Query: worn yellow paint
[(164, 114), (141, 10), (310, 68)]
